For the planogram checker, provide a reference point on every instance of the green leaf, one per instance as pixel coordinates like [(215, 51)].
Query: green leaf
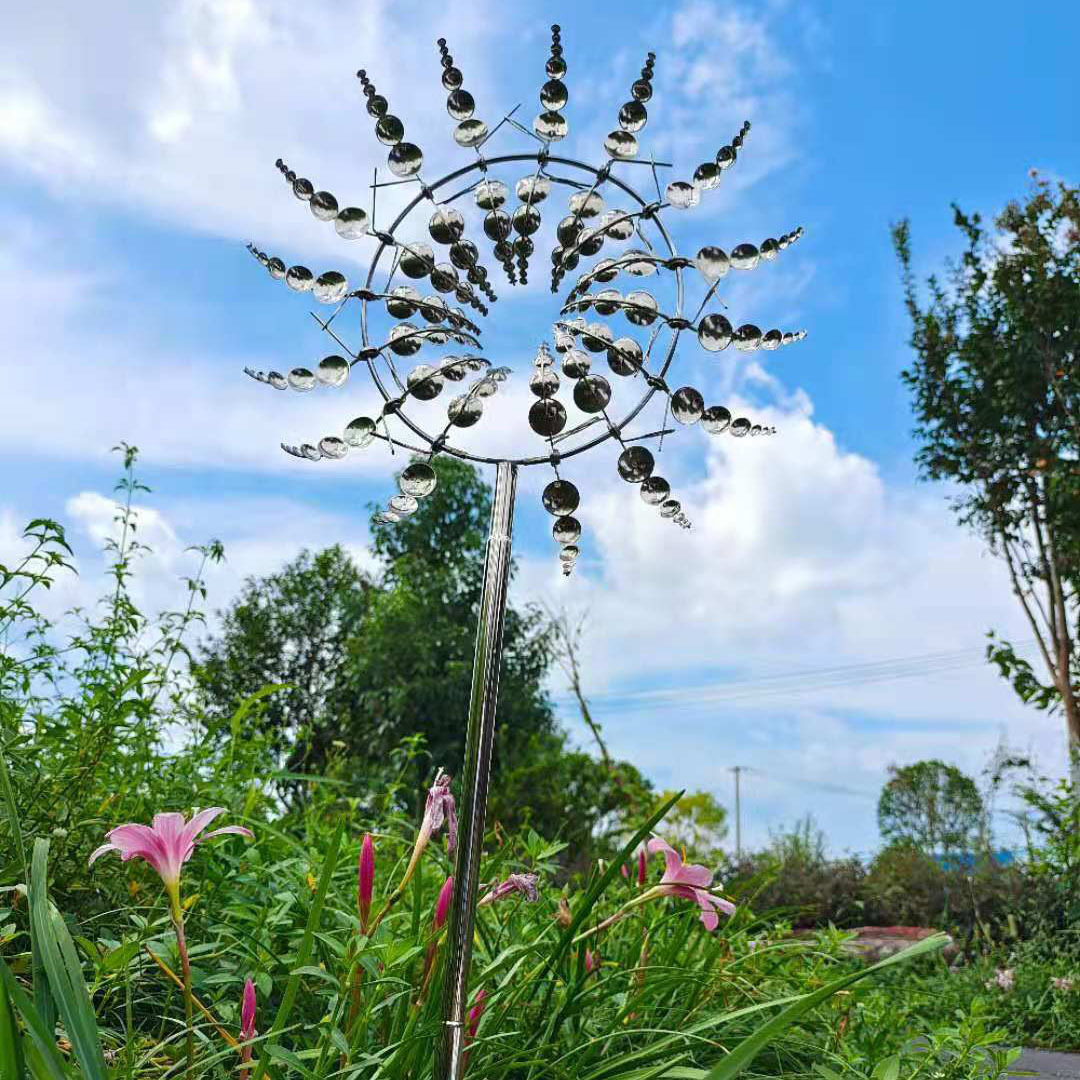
[(42, 1042), (316, 972), (887, 1068), (292, 987), (748, 1049), (279, 1053), (12, 1066), (62, 969)]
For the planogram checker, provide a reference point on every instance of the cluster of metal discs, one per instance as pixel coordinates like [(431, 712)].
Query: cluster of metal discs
[(591, 238)]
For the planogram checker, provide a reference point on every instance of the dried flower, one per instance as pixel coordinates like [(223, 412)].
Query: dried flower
[(1004, 979), (1066, 984), (564, 916), (525, 884)]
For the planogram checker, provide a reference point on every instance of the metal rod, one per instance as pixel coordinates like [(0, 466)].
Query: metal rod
[(479, 739)]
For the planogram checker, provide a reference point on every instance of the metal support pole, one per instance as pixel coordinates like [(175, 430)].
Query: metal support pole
[(450, 1051)]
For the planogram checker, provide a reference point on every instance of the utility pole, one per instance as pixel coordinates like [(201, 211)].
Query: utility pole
[(738, 770)]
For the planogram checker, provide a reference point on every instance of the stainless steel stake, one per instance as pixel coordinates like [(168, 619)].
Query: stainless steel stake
[(479, 739)]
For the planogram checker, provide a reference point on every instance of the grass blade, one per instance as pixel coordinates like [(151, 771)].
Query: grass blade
[(749, 1048), (63, 970), (42, 1043)]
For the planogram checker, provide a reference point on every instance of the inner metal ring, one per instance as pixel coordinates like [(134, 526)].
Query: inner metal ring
[(609, 432)]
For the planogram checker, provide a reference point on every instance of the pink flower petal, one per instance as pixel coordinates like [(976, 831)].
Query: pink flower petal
[(200, 820), (236, 830), (672, 862), (168, 826), (101, 851), (693, 874), (708, 916)]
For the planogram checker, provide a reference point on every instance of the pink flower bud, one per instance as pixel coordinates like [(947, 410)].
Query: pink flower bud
[(442, 905), (247, 1012), (476, 1012), (365, 880), (642, 866), (592, 962)]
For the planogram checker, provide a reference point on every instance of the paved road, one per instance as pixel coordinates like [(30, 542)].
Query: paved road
[(1049, 1064)]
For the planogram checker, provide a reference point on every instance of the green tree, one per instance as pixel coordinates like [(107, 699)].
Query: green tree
[(371, 661), (932, 806), (291, 628), (996, 395)]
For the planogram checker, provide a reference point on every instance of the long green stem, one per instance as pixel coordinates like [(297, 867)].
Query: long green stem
[(185, 973)]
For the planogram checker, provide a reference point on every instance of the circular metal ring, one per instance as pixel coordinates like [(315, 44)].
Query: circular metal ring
[(610, 431)]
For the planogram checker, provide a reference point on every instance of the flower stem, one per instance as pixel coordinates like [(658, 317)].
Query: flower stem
[(185, 971)]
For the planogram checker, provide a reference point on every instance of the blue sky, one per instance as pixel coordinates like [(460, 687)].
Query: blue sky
[(136, 153)]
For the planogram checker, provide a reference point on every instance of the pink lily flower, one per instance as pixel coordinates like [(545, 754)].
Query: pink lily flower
[(168, 843), (690, 881), (442, 905), (365, 880), (247, 1021), (525, 884)]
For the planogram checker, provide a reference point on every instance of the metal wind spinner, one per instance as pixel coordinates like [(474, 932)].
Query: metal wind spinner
[(397, 321), (428, 322)]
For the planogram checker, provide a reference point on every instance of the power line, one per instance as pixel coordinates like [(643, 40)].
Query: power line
[(806, 680)]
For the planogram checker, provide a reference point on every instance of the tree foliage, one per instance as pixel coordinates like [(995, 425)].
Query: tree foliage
[(932, 806), (371, 660), (996, 395)]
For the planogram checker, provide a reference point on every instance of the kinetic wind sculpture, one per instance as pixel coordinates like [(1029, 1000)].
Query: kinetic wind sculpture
[(398, 321)]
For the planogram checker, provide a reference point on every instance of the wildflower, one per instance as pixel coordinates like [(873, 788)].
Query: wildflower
[(525, 884), (442, 905), (247, 1022), (1004, 979), (1065, 983), (690, 881), (642, 867), (687, 880), (365, 880), (167, 844), (592, 961)]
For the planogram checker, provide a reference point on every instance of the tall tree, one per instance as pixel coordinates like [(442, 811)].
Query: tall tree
[(931, 805), (996, 395), (369, 661)]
